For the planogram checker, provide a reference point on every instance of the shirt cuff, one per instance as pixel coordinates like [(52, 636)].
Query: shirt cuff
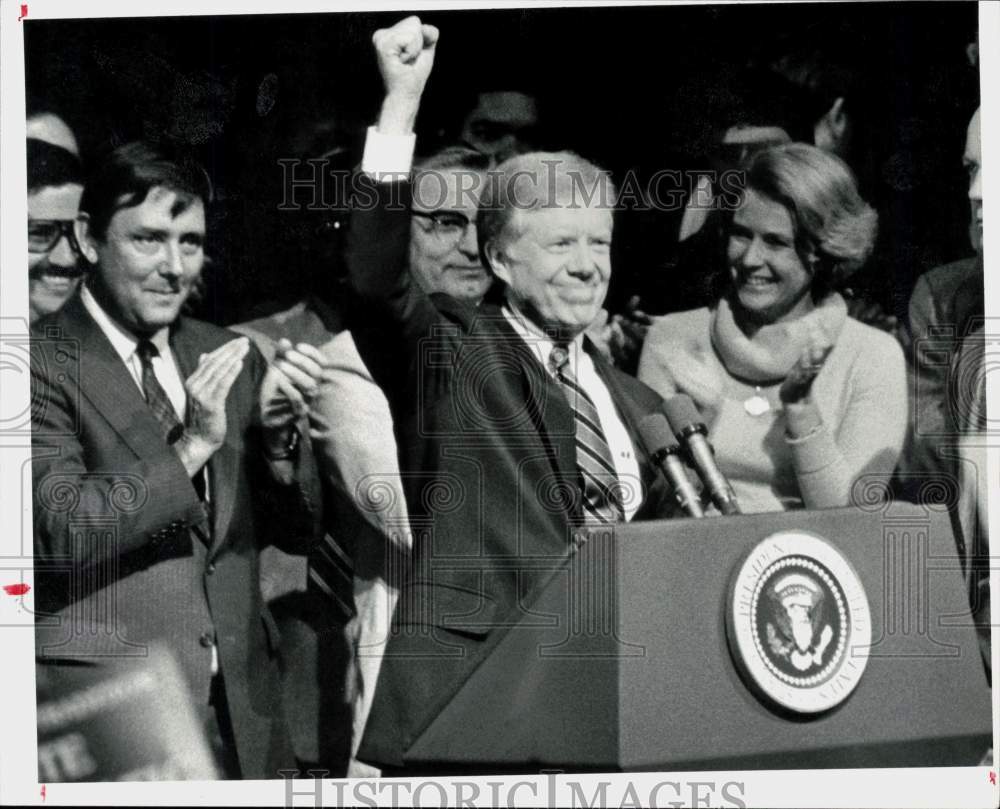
[(388, 157)]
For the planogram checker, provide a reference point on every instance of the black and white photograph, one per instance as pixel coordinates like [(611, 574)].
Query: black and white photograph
[(486, 404)]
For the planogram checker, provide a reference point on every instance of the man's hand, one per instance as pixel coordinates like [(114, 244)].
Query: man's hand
[(287, 391), (207, 389), (405, 55), (290, 384), (627, 334)]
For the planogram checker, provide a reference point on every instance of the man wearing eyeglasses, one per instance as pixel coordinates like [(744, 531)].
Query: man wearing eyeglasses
[(55, 185), (367, 523), (444, 255)]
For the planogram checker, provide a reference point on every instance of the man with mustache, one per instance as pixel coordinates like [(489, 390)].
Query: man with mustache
[(513, 432), (55, 184), (177, 445)]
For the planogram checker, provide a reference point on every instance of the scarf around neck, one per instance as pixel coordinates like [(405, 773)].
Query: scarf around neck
[(774, 349)]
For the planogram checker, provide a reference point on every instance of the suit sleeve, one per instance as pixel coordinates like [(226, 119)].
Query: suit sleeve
[(926, 380), (403, 317), (150, 501), (289, 500)]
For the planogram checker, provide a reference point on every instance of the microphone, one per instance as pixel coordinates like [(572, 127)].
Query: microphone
[(686, 423), (664, 450)]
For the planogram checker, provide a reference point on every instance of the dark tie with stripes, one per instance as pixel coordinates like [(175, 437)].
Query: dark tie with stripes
[(331, 571), (598, 478), (158, 401), (156, 396)]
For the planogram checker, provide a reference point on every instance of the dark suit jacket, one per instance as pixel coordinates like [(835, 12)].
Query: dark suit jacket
[(126, 554), (945, 307), (486, 444)]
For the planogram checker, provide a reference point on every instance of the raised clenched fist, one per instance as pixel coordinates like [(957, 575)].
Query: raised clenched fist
[(405, 55)]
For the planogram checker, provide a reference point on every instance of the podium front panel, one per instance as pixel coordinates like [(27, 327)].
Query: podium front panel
[(922, 700), (623, 660)]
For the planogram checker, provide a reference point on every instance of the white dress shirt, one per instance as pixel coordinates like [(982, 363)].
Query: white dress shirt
[(164, 365), (582, 368)]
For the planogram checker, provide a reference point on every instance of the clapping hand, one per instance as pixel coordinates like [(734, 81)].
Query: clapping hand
[(290, 384), (798, 384), (207, 389), (627, 334)]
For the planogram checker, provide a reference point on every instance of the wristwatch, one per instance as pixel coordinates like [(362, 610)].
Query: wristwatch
[(290, 450)]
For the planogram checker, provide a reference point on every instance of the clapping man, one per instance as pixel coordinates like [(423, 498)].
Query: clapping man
[(179, 444)]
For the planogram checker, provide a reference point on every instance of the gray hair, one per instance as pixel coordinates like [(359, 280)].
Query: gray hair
[(535, 181)]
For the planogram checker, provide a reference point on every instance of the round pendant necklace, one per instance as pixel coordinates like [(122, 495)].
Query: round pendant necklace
[(756, 405)]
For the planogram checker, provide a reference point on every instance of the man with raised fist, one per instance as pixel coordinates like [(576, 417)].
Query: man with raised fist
[(513, 432)]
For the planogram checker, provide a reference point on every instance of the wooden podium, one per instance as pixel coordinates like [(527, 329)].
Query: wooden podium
[(623, 661)]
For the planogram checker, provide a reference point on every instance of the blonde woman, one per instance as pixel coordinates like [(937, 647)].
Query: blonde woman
[(801, 399)]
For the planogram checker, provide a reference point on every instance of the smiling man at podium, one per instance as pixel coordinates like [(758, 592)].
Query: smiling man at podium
[(513, 431)]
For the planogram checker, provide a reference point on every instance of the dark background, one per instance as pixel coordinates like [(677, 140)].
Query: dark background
[(642, 88)]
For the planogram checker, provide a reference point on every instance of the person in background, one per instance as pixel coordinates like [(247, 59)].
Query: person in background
[(946, 305), (947, 373), (49, 127), (801, 400), (55, 185), (503, 122)]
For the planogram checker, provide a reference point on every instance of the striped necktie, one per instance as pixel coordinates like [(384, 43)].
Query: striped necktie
[(331, 571), (598, 477), (156, 396), (163, 410)]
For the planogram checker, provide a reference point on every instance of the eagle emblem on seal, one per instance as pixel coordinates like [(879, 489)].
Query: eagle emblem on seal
[(797, 631)]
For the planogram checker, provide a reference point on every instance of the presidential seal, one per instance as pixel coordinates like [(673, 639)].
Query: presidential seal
[(798, 623)]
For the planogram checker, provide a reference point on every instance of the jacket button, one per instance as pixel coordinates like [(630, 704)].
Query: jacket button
[(206, 639), (210, 569)]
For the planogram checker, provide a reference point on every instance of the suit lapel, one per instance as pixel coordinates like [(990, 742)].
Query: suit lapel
[(222, 467), (546, 404), (106, 382)]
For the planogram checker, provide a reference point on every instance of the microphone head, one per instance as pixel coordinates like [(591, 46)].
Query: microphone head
[(656, 434), (683, 416)]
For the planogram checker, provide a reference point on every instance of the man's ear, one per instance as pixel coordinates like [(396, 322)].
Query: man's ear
[(496, 261), (832, 130), (84, 238)]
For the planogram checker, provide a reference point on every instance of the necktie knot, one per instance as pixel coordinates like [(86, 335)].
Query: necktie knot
[(559, 358), (146, 351)]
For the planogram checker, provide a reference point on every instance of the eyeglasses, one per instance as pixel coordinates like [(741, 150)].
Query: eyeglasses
[(449, 226), (44, 234)]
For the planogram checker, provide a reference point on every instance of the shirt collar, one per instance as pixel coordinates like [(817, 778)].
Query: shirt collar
[(122, 341), (540, 343)]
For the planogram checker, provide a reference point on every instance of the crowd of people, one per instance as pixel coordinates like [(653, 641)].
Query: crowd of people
[(319, 495)]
